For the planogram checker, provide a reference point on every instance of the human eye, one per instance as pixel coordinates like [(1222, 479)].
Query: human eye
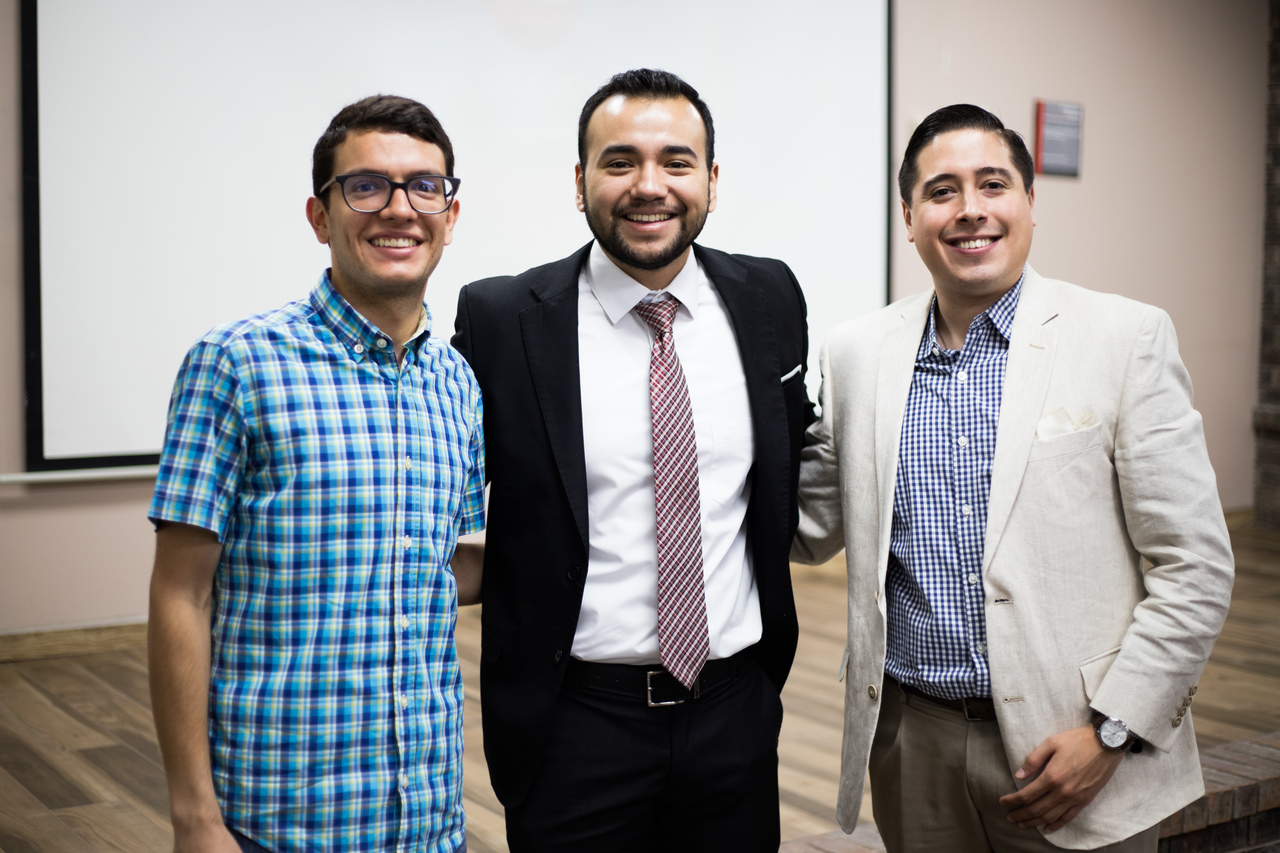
[(366, 185), (941, 193), (426, 186)]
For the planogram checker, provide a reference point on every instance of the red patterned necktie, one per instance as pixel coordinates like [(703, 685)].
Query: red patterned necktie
[(682, 609)]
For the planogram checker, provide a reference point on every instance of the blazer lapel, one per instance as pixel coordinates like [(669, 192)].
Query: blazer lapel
[(893, 384), (1032, 346), (550, 330)]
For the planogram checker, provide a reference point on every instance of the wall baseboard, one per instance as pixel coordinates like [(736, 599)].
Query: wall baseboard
[(81, 641)]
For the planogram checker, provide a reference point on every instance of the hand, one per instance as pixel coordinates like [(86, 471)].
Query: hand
[(211, 838), (1073, 766)]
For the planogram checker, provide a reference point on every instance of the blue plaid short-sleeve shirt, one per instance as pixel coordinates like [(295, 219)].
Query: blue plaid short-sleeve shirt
[(338, 481)]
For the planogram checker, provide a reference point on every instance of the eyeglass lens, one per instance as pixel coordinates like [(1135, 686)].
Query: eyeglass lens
[(370, 193)]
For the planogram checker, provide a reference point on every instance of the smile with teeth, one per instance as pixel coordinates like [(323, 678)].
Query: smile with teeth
[(976, 243), (650, 217), (395, 242)]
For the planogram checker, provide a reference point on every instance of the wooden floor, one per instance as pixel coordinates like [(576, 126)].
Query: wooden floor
[(80, 771)]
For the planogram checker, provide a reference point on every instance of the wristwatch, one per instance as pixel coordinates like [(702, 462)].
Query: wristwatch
[(1114, 734)]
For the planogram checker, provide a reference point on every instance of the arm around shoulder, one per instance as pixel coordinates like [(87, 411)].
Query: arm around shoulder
[(820, 534)]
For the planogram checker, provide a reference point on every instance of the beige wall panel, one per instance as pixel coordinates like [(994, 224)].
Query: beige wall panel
[(1168, 208)]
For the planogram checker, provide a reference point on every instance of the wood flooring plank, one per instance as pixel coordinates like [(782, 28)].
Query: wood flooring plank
[(26, 825), (84, 695), (134, 773), (117, 828), (122, 673), (22, 700), (49, 786)]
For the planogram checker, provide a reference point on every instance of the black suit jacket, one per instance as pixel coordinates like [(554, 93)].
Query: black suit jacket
[(520, 334)]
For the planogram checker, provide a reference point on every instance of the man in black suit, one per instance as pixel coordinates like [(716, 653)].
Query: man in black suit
[(638, 619)]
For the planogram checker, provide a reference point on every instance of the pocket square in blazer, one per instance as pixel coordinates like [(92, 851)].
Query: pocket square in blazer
[(1060, 422), (792, 372)]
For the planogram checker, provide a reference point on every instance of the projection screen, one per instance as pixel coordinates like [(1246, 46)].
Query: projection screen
[(172, 109)]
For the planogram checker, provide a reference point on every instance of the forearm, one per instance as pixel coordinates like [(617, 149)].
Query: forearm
[(178, 649), (468, 569)]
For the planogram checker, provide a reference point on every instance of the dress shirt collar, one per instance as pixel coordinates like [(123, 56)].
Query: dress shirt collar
[(350, 326), (999, 315), (618, 292)]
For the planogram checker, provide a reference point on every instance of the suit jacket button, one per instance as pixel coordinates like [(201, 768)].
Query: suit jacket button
[(558, 656), (1177, 721), (872, 692), (574, 573)]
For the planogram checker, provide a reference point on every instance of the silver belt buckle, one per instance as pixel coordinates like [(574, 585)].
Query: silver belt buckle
[(648, 690)]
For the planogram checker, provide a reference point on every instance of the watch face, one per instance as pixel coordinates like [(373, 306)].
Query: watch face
[(1113, 733)]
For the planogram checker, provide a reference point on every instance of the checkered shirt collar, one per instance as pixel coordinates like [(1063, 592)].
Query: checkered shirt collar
[(999, 315), (351, 327)]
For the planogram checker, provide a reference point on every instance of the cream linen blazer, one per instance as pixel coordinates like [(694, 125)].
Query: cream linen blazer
[(1100, 462)]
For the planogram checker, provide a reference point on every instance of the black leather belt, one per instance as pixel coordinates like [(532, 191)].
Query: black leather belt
[(652, 683), (976, 709)]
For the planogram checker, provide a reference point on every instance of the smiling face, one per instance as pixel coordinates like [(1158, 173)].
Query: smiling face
[(970, 215), (646, 187), (384, 257)]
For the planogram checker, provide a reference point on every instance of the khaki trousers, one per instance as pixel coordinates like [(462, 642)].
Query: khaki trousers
[(937, 780)]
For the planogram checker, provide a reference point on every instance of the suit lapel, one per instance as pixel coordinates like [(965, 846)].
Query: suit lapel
[(550, 330), (1032, 346), (893, 384)]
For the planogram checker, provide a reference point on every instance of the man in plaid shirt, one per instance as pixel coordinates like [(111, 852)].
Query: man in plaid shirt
[(319, 464)]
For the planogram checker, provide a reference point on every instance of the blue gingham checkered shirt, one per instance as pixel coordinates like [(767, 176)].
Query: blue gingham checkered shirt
[(937, 633), (338, 482)]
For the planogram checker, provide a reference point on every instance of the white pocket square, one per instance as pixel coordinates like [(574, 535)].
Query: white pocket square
[(1059, 422), (792, 372)]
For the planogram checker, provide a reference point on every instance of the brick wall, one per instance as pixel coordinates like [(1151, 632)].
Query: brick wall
[(1266, 417)]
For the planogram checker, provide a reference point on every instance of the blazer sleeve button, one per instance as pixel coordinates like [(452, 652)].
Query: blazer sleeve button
[(1177, 721)]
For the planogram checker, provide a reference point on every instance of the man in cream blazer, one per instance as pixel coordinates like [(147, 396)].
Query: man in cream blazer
[(1038, 561)]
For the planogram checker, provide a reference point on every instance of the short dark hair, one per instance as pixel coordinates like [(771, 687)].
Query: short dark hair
[(385, 113), (650, 84), (961, 117)]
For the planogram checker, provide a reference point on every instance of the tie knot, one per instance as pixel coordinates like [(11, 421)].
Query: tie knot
[(659, 315)]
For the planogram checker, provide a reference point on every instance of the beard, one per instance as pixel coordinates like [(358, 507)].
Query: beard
[(608, 233)]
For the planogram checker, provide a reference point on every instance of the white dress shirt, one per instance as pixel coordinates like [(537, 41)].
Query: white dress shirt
[(619, 618)]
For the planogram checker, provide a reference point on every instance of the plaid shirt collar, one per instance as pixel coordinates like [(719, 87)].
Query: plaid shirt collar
[(999, 316), (355, 332)]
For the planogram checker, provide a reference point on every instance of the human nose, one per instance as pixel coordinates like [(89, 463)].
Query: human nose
[(398, 206), (972, 208), (650, 182)]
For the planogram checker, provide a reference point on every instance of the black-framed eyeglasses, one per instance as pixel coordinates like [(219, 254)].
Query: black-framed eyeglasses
[(371, 193)]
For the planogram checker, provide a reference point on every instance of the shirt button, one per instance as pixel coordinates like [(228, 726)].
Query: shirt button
[(408, 543), (936, 351), (404, 623), (961, 375), (982, 649), (408, 463), (963, 441), (973, 577), (359, 348), (404, 701), (965, 509), (382, 344), (404, 780)]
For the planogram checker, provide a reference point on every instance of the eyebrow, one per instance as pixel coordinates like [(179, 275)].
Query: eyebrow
[(984, 172), (667, 151)]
